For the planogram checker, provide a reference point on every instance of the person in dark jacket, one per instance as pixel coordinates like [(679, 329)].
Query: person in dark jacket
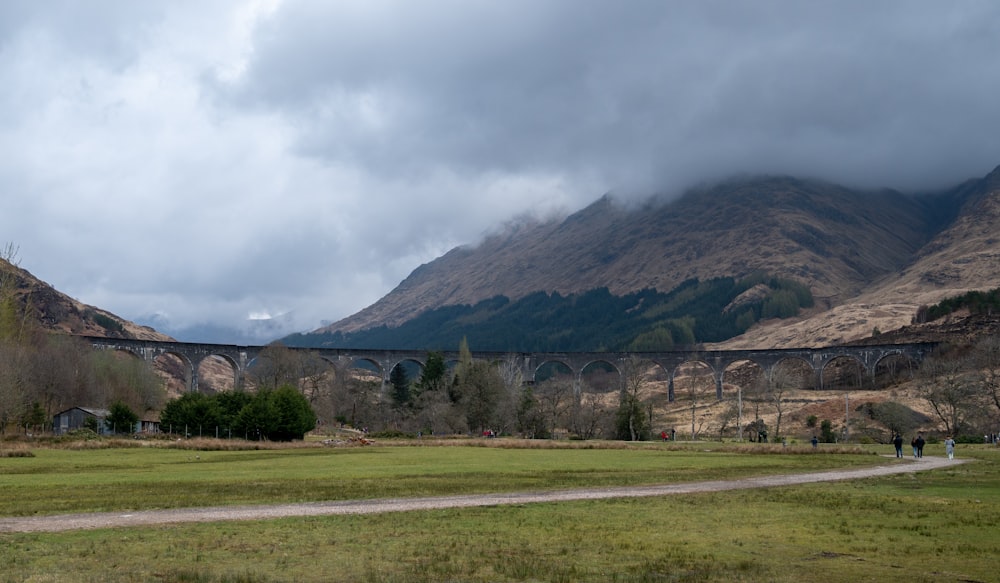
[(897, 441), (920, 445)]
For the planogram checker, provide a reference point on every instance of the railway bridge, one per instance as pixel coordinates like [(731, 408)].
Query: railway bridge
[(529, 364)]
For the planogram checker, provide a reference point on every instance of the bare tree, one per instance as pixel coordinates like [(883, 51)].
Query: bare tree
[(781, 381), (695, 375), (511, 379), (633, 421), (948, 386), (14, 384), (730, 415), (755, 393), (276, 365), (744, 375), (554, 398), (315, 376), (481, 390), (588, 416), (986, 361)]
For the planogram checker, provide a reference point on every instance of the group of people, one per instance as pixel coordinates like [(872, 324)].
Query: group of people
[(918, 442)]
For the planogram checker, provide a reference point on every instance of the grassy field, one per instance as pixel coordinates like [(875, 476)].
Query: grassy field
[(930, 526)]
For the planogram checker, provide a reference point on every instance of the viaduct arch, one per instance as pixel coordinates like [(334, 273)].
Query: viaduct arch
[(240, 358)]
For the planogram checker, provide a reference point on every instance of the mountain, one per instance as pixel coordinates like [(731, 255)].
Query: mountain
[(963, 255), (54, 311), (869, 257), (250, 332)]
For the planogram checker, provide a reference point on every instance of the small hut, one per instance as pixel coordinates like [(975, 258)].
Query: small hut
[(76, 418)]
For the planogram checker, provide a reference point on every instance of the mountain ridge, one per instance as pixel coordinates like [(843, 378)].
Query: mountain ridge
[(54, 311), (841, 242)]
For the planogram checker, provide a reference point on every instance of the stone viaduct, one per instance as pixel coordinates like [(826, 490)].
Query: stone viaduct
[(241, 358)]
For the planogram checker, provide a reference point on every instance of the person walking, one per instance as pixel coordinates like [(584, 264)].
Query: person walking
[(920, 445), (897, 442), (913, 444), (949, 447)]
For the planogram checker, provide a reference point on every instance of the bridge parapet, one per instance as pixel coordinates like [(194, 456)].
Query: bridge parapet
[(242, 357)]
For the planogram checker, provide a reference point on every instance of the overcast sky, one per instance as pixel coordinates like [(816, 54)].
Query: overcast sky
[(209, 163)]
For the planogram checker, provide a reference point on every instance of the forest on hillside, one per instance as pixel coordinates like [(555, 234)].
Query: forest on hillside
[(976, 302), (597, 320)]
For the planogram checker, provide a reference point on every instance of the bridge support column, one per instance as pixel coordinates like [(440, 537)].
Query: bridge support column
[(527, 370), (193, 385)]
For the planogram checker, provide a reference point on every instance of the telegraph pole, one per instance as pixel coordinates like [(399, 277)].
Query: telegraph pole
[(847, 417)]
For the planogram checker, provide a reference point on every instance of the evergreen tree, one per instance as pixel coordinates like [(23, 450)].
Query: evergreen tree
[(530, 418), (194, 413), (400, 385), (229, 404), (35, 416), (259, 418), (434, 375), (631, 421), (481, 388), (294, 416), (120, 418)]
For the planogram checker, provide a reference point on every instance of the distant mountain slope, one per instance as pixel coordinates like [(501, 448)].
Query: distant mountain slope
[(692, 313), (964, 256), (836, 240), (56, 312)]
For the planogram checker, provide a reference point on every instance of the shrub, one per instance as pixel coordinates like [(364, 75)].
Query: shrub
[(392, 434), (121, 419), (85, 433), (826, 432), (92, 424)]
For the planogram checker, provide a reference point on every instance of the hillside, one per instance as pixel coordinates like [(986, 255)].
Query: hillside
[(869, 258), (695, 311), (964, 255), (56, 312)]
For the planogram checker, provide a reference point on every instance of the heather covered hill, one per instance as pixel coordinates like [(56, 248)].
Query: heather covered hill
[(837, 241), (54, 311), (962, 256), (596, 320)]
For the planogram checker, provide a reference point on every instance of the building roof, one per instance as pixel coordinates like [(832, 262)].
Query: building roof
[(89, 410)]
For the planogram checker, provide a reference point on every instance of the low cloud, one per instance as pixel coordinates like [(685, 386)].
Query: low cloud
[(205, 163)]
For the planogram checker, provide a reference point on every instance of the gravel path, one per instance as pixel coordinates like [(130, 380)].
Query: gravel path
[(226, 513)]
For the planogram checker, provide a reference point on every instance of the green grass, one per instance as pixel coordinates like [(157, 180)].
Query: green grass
[(58, 481), (929, 526)]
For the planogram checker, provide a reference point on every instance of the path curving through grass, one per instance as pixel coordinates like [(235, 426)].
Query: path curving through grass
[(66, 522)]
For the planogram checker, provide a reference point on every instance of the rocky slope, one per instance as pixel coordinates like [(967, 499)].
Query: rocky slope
[(870, 258), (56, 312), (964, 255)]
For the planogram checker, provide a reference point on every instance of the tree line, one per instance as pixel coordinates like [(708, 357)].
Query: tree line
[(976, 302), (597, 320), (281, 414), (42, 373), (466, 396)]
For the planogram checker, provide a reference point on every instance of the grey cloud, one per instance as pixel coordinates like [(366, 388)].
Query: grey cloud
[(211, 160), (644, 91)]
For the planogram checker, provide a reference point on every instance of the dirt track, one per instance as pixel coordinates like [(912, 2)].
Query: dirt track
[(226, 513)]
